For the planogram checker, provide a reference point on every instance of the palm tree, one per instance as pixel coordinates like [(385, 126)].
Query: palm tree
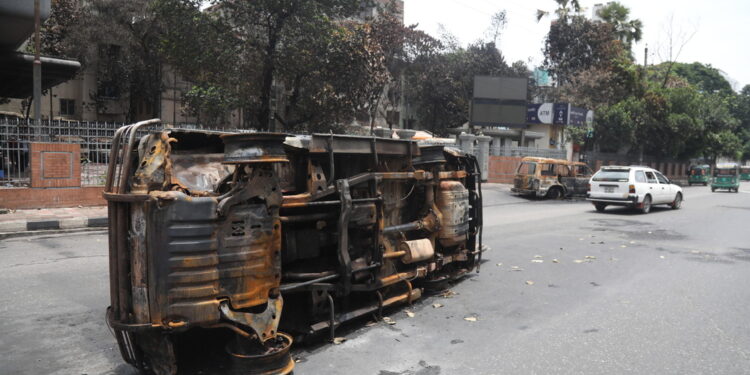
[(618, 15), (564, 9)]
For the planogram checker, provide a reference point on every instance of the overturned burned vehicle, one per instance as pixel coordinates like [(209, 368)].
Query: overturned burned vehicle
[(226, 247)]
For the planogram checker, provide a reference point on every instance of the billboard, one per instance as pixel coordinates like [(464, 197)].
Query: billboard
[(499, 101), (541, 113)]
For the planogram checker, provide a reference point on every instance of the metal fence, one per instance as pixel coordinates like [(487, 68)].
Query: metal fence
[(17, 135), (95, 138), (528, 151)]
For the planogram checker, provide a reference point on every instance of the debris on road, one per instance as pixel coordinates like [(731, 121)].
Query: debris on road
[(555, 261), (338, 340), (537, 261), (389, 321), (516, 268), (437, 305), (409, 313), (499, 264), (590, 257), (470, 318), (448, 293), (529, 282)]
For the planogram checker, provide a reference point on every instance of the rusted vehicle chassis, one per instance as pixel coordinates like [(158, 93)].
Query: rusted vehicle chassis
[(226, 246)]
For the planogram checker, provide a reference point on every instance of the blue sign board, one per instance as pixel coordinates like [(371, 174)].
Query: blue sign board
[(560, 114), (577, 116)]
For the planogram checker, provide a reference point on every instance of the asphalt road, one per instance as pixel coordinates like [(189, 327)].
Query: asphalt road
[(616, 292)]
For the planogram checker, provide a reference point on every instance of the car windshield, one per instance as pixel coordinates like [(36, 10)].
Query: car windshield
[(612, 175), (725, 172), (697, 172)]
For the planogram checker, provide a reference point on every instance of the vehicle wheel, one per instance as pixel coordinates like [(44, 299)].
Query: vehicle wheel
[(705, 184), (600, 206), (713, 190), (736, 190), (677, 203), (554, 193), (690, 184), (646, 206)]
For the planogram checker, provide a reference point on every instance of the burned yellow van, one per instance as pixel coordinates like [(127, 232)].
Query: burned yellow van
[(551, 178)]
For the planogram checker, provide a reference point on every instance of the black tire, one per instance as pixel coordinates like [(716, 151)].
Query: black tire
[(554, 193), (713, 189), (705, 184), (600, 206), (646, 205), (677, 202), (690, 184)]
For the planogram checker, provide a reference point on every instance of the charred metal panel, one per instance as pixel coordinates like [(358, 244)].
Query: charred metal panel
[(205, 258), (453, 202)]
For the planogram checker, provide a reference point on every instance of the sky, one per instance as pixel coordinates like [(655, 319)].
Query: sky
[(719, 28)]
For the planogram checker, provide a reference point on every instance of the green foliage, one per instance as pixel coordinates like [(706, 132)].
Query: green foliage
[(704, 77), (579, 44), (626, 30)]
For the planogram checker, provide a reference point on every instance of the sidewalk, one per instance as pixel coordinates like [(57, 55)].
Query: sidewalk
[(36, 221)]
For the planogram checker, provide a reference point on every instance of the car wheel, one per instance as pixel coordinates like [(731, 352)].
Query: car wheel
[(736, 190), (677, 203), (705, 184), (690, 184), (646, 205), (713, 190), (554, 193), (600, 206)]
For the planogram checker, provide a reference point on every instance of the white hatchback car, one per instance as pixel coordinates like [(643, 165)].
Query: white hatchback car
[(633, 186)]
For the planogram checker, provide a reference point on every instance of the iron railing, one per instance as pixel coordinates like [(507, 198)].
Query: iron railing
[(528, 151), (95, 139), (17, 135)]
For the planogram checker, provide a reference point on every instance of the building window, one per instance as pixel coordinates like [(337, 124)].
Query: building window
[(67, 107)]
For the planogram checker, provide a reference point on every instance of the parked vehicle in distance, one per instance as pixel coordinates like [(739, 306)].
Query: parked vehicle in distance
[(551, 178), (699, 174), (633, 186), (745, 173), (726, 176)]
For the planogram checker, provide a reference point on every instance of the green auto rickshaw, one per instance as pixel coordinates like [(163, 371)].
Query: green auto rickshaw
[(699, 174), (745, 173), (726, 176)]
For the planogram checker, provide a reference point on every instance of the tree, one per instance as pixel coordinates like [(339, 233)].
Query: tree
[(575, 44), (704, 77), (565, 8), (56, 32), (627, 30), (116, 38), (276, 32)]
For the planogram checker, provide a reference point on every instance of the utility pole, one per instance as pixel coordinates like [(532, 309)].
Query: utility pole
[(37, 67), (645, 56)]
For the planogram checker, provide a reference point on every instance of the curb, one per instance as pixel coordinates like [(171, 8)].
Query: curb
[(51, 232), (36, 226)]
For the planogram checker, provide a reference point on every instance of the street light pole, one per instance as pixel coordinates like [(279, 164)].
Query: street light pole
[(37, 67)]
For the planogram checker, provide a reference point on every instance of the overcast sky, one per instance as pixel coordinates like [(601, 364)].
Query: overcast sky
[(719, 28)]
